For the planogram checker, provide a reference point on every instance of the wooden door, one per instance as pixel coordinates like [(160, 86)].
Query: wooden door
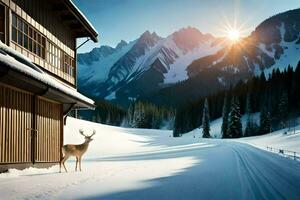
[(15, 120), (31, 128), (49, 131)]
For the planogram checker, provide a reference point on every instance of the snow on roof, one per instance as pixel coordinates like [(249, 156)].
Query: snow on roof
[(79, 11), (19, 62)]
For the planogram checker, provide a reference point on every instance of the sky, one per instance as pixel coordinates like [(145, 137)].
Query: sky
[(117, 20)]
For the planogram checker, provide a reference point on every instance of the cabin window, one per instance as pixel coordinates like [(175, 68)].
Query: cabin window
[(69, 65), (54, 55), (59, 59), (2, 23), (27, 37)]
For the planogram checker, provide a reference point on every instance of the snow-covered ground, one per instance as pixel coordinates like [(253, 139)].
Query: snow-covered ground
[(150, 164), (278, 139)]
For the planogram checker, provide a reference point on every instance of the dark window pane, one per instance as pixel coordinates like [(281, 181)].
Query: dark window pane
[(39, 38), (20, 38), (30, 32), (34, 35), (37, 52), (14, 20), (20, 25), (34, 47), (26, 41), (25, 28), (43, 53), (40, 51), (14, 34), (30, 45), (43, 41)]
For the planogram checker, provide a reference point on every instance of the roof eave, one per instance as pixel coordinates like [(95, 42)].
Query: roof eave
[(93, 34)]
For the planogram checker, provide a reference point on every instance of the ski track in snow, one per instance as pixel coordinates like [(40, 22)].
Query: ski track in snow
[(139, 164)]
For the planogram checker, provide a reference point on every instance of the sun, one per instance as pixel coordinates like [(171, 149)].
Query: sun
[(234, 35)]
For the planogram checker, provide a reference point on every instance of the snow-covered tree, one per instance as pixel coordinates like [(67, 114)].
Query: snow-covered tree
[(205, 120), (235, 125), (130, 115), (138, 116), (225, 114)]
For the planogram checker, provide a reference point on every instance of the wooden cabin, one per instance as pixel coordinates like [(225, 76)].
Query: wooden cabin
[(38, 73)]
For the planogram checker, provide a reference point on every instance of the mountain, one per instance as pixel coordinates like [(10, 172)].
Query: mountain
[(188, 64), (144, 65), (94, 67), (275, 43)]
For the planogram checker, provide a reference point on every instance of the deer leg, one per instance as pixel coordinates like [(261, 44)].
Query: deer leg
[(60, 165), (80, 163), (76, 164), (63, 162)]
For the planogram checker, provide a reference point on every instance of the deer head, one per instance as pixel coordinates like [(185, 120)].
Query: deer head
[(88, 139)]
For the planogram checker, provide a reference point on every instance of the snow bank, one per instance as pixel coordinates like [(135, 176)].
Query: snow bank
[(277, 139)]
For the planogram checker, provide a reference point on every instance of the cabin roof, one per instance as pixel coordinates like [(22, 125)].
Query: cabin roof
[(80, 22), (17, 62)]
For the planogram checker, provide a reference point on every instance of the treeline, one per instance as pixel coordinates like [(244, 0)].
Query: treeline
[(276, 98), (105, 113), (138, 115), (146, 115)]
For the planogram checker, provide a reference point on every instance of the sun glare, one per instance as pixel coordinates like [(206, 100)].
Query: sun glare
[(233, 35)]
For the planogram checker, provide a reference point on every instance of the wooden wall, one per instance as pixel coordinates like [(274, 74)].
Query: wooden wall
[(41, 12), (15, 118), (40, 17), (31, 128), (48, 141)]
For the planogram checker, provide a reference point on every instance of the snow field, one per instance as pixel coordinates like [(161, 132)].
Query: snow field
[(139, 164)]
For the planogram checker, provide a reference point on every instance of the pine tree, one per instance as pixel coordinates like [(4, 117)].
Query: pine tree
[(130, 115), (235, 125), (283, 109), (265, 121), (225, 114), (138, 116), (251, 126), (205, 120)]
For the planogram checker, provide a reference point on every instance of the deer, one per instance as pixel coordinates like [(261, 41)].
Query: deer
[(76, 150)]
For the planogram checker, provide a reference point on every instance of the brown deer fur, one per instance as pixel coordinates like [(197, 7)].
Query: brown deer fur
[(75, 150)]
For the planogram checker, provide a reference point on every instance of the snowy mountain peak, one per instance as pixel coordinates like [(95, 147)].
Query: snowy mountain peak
[(275, 44), (150, 63), (190, 38), (148, 39), (121, 44)]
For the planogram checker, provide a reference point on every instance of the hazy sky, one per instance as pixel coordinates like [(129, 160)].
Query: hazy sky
[(128, 19)]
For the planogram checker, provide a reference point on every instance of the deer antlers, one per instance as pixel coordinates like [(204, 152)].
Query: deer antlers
[(94, 132), (81, 132)]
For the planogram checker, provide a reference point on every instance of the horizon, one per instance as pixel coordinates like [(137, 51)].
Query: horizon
[(193, 14)]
